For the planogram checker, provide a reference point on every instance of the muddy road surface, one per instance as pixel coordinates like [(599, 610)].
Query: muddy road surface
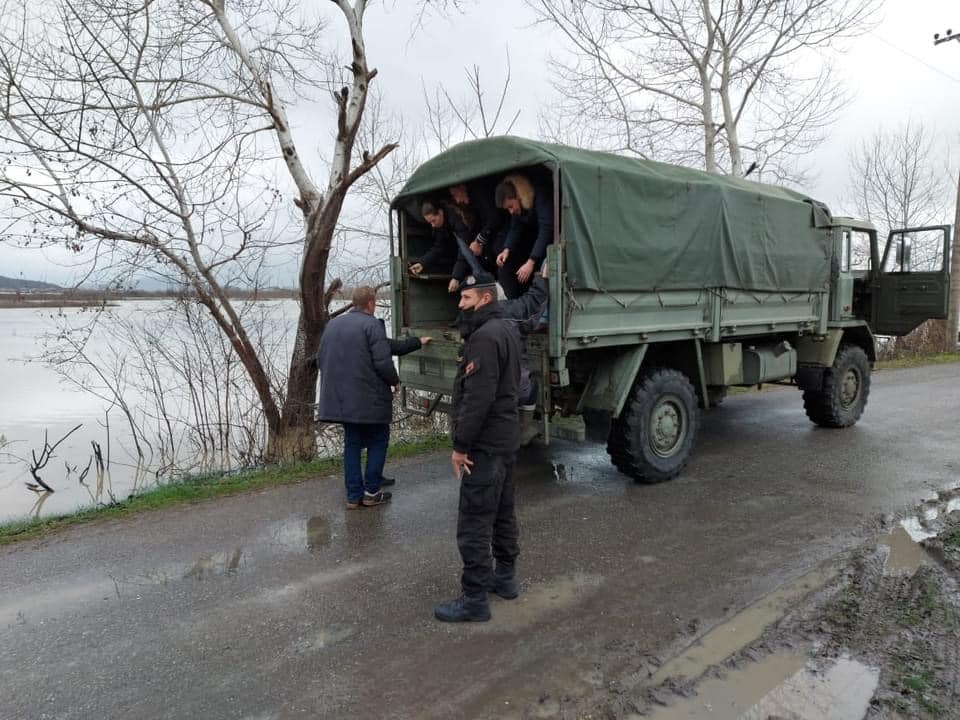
[(283, 604)]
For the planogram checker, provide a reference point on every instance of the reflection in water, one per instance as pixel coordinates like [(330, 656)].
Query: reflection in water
[(211, 566), (318, 532), (41, 499), (203, 568)]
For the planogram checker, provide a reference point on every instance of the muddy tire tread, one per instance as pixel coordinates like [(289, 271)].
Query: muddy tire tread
[(622, 446), (823, 406)]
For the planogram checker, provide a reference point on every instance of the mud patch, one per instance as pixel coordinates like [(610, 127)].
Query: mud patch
[(895, 608), (782, 685), (878, 637), (741, 630), (537, 601), (733, 693)]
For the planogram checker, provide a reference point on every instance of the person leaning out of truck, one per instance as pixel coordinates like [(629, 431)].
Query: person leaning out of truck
[(530, 206), (444, 247), (486, 223)]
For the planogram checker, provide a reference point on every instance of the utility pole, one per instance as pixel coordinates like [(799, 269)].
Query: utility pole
[(953, 315), (952, 333)]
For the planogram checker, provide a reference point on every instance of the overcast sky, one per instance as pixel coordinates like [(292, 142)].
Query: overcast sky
[(895, 73)]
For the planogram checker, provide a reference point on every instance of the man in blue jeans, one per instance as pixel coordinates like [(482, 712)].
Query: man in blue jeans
[(357, 377)]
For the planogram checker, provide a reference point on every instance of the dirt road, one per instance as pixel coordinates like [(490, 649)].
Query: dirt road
[(282, 604)]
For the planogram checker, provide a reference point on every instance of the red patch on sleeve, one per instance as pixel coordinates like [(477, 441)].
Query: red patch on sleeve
[(470, 369)]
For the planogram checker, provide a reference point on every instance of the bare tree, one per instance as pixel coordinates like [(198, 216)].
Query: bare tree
[(896, 182), (727, 86), (153, 133), (471, 116)]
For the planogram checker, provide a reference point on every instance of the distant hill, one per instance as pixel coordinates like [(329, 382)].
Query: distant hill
[(9, 283)]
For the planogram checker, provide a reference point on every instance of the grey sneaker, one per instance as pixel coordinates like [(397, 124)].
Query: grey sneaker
[(378, 498)]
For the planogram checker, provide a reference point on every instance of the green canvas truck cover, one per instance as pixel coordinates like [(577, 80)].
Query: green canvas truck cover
[(635, 225)]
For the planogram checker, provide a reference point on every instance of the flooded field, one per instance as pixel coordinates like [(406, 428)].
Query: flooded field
[(82, 415)]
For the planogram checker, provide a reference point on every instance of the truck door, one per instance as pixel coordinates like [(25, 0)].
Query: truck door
[(913, 284)]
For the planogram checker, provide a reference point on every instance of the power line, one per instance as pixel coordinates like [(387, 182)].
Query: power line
[(914, 57)]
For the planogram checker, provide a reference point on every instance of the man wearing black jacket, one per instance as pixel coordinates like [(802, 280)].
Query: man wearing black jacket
[(485, 442)]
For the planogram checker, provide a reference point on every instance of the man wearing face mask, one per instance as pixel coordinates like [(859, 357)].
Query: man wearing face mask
[(485, 441)]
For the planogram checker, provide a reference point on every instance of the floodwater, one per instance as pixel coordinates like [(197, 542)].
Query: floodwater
[(38, 407)]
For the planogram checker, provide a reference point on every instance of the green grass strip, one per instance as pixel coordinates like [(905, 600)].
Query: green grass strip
[(202, 487), (919, 361)]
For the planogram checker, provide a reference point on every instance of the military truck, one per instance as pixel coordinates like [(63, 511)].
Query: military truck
[(667, 286)]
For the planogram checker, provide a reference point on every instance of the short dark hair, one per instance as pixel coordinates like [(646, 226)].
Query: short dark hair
[(504, 191), (429, 207), (362, 296)]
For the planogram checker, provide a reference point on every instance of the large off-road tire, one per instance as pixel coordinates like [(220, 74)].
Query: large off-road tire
[(843, 393), (652, 439)]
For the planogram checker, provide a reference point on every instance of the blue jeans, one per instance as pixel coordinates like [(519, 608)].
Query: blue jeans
[(373, 437)]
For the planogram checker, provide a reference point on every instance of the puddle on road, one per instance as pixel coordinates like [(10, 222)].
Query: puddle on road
[(905, 555), (220, 564), (735, 694), (780, 686), (928, 521), (841, 692), (205, 567), (298, 534), (742, 629)]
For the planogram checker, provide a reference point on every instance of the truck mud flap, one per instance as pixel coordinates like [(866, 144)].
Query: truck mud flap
[(611, 379)]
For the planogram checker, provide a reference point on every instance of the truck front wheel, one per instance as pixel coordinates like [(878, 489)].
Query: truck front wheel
[(843, 392), (652, 439)]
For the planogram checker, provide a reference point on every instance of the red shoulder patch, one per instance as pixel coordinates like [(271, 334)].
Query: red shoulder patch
[(471, 368)]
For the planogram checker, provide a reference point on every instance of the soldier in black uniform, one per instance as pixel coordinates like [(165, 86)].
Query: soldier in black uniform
[(485, 442)]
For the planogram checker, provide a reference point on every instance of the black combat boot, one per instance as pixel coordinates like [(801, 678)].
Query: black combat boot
[(505, 582), (466, 608)]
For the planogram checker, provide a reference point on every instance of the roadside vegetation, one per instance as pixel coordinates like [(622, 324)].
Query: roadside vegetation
[(923, 346), (908, 361), (202, 487)]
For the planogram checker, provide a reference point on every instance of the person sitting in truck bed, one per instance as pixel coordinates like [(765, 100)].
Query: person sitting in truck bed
[(444, 248), (530, 206), (486, 224)]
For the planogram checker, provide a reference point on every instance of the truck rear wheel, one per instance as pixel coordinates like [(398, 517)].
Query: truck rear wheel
[(843, 393), (652, 439)]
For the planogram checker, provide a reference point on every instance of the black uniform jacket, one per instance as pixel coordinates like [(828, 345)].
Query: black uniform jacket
[(485, 415)]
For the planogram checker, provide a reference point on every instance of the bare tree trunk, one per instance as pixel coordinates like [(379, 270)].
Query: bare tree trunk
[(297, 438), (951, 343), (709, 127)]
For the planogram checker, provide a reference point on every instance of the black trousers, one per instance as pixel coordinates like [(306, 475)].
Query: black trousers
[(486, 523), (507, 277)]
